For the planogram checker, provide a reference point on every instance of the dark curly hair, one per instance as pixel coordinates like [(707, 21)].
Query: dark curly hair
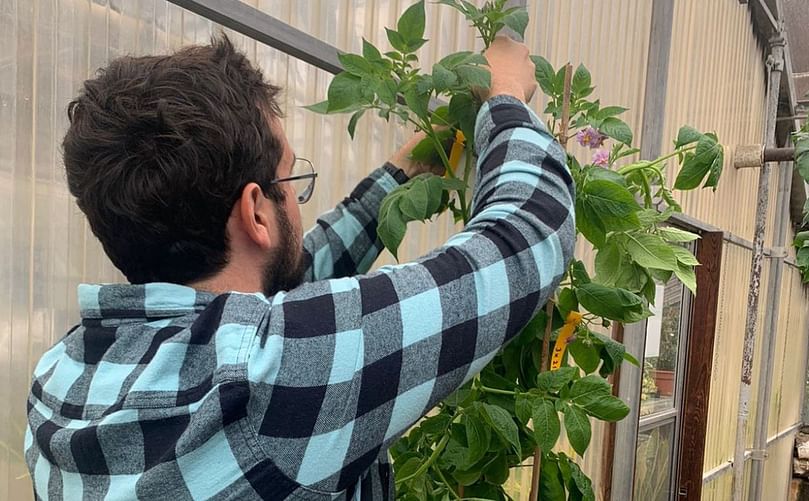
[(158, 151)]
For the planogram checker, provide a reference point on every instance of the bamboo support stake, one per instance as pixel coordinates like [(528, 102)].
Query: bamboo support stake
[(546, 338)]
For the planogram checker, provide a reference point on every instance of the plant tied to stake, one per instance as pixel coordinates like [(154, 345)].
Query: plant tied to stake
[(511, 410)]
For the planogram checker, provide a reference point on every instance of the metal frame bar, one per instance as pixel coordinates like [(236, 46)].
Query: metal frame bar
[(268, 30), (714, 473)]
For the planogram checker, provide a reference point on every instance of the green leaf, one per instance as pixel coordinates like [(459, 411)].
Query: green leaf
[(801, 239), (554, 381), (517, 20), (474, 76), (632, 360), (551, 486), (609, 111), (454, 59), (435, 194), (396, 40), (684, 256), (698, 164), (545, 76), (504, 425), (417, 102), (356, 65), (672, 234), (612, 352), (616, 129), (387, 89), (581, 82), (577, 426), (585, 355), (607, 408), (584, 484), (588, 389), (391, 228), (715, 172), (546, 423), (435, 424), (687, 135), (496, 471), (414, 200), (411, 24), (352, 123), (608, 263), (651, 251), (687, 276), (600, 173), (369, 51), (588, 223), (523, 408), (443, 79), (345, 93), (408, 468), (463, 109), (609, 199), (467, 477), (802, 155), (578, 272), (612, 303), (453, 184), (478, 436), (566, 301), (321, 108)]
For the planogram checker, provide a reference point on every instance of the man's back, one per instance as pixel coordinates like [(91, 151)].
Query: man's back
[(150, 396)]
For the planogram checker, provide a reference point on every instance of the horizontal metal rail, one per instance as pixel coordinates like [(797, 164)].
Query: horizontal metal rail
[(712, 474), (268, 30)]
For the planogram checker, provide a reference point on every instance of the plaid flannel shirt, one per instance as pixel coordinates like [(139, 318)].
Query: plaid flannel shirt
[(164, 392)]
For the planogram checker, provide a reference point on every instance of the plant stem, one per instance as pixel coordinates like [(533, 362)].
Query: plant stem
[(651, 166), (436, 452), (467, 170), (535, 474), (647, 190), (452, 492), (497, 391), (546, 338)]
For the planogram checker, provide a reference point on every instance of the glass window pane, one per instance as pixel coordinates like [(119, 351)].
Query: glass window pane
[(660, 371), (653, 463)]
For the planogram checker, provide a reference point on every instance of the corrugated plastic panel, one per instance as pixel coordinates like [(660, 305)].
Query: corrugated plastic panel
[(716, 82), (789, 376), (778, 468)]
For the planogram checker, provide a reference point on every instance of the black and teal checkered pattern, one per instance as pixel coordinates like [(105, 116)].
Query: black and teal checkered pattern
[(165, 392)]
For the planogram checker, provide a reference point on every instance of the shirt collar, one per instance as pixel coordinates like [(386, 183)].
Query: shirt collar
[(150, 300)]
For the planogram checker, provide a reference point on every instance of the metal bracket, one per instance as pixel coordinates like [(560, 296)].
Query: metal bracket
[(758, 454), (778, 253)]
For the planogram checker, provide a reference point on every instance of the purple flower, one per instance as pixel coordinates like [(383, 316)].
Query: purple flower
[(601, 158), (590, 137)]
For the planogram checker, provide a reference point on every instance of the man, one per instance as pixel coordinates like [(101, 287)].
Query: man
[(245, 360)]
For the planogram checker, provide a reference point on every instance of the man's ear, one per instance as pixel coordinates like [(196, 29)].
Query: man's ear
[(254, 215)]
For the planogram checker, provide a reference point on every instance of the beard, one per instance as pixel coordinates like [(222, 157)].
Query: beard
[(285, 268)]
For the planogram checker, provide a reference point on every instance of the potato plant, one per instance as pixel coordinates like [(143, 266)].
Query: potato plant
[(514, 409)]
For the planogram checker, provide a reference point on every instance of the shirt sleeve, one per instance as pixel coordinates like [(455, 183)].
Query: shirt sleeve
[(343, 241), (346, 366)]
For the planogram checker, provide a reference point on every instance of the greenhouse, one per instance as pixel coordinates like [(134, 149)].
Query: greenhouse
[(404, 249)]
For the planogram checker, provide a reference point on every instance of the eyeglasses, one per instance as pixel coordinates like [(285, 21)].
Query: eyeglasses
[(302, 176)]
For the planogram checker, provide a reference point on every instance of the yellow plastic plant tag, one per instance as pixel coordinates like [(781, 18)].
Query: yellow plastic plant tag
[(457, 151), (567, 330)]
